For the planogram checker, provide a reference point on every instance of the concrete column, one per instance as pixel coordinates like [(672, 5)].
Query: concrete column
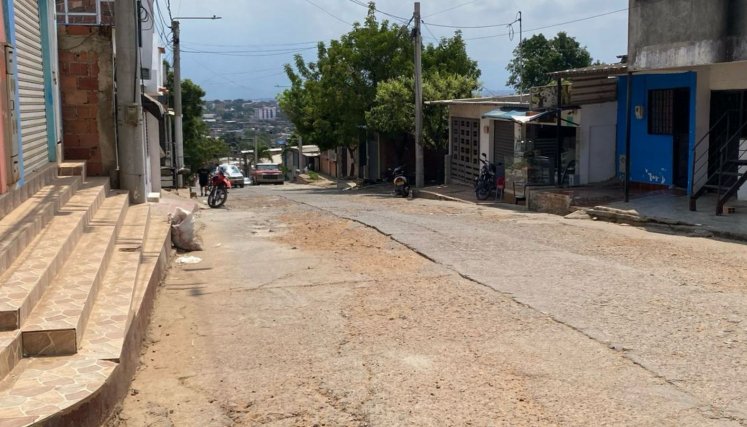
[(130, 144)]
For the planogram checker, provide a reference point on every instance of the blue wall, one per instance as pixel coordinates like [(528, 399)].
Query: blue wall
[(651, 156)]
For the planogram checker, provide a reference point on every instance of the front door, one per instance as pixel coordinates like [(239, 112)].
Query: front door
[(681, 137)]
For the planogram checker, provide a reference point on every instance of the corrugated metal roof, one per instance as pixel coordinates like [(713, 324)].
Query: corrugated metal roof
[(493, 100), (600, 69)]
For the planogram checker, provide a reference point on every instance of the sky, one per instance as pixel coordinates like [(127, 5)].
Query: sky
[(242, 54)]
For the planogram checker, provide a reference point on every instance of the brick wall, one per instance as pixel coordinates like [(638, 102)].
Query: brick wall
[(86, 87)]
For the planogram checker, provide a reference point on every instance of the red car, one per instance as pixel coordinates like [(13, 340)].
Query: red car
[(267, 173)]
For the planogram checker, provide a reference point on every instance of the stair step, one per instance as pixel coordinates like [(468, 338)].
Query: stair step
[(19, 227), (57, 323), (715, 187), (107, 326), (157, 239), (42, 387), (25, 282), (10, 351)]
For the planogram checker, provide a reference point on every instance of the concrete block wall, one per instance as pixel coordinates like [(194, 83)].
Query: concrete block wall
[(86, 86)]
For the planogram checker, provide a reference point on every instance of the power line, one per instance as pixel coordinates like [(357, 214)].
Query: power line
[(430, 32), (451, 8), (327, 12), (246, 54), (463, 27), (252, 45), (252, 51), (552, 25), (360, 3)]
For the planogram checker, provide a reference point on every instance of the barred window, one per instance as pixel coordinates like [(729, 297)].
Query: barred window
[(660, 111)]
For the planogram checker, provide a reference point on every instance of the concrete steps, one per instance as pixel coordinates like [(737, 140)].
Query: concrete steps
[(77, 289), (24, 223), (105, 335), (25, 283), (55, 326), (41, 387)]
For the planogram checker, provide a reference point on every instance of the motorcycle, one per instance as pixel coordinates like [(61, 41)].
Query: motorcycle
[(486, 181), (219, 189), (399, 179)]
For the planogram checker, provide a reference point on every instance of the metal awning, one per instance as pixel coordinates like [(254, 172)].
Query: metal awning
[(501, 114), (308, 150), (521, 117)]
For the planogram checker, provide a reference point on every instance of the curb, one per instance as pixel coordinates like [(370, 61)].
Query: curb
[(423, 194), (620, 216)]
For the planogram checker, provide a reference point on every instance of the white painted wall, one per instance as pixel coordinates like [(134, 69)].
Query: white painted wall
[(596, 140)]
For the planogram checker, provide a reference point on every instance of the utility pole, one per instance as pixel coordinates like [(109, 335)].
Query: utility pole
[(178, 130), (130, 144), (300, 154), (256, 151), (419, 173)]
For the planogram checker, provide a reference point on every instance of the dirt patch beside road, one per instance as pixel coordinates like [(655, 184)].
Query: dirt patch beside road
[(298, 318)]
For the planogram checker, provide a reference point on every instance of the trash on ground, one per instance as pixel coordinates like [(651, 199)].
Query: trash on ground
[(188, 259), (183, 230)]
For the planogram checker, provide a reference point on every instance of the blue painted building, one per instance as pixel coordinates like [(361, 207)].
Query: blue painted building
[(662, 128)]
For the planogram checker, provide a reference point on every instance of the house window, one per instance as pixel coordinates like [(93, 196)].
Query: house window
[(660, 111)]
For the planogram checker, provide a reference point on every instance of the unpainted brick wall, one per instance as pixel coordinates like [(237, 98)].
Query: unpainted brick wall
[(86, 86)]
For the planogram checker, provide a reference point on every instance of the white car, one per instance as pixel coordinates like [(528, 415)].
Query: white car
[(233, 173)]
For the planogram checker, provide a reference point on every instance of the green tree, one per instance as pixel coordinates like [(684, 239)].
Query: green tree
[(538, 56), (199, 148), (365, 78)]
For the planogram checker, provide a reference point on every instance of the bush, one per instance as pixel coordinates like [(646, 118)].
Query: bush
[(313, 176)]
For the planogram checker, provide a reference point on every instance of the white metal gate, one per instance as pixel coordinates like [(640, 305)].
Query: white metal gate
[(31, 85)]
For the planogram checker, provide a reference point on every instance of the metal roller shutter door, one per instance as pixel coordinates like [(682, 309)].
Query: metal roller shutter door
[(503, 142), (31, 85)]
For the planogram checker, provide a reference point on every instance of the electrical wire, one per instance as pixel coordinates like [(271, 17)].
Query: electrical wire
[(430, 32), (451, 8), (360, 3), (467, 27), (551, 25), (327, 12), (285, 50), (251, 45), (246, 54)]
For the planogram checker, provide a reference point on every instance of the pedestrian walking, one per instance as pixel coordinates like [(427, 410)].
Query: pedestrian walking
[(203, 173)]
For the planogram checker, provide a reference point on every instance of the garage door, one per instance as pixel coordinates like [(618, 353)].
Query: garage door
[(31, 85), (465, 146)]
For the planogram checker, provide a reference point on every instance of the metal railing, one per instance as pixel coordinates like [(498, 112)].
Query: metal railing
[(85, 12)]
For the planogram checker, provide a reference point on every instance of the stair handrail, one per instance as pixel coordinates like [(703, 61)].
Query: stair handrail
[(697, 159)]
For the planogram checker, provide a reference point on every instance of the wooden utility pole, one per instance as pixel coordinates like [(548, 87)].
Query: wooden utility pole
[(417, 39), (130, 143)]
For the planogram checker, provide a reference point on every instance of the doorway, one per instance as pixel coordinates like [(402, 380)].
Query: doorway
[(728, 112), (681, 137)]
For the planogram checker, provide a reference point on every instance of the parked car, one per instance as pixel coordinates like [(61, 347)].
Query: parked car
[(233, 173), (267, 173)]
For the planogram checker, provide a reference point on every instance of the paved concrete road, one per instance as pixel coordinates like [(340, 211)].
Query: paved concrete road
[(302, 313)]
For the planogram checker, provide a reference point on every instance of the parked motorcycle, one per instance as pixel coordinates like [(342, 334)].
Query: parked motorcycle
[(486, 181), (399, 179), (219, 189)]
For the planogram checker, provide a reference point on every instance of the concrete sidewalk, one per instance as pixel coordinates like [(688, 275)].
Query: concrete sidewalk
[(671, 209), (662, 208)]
